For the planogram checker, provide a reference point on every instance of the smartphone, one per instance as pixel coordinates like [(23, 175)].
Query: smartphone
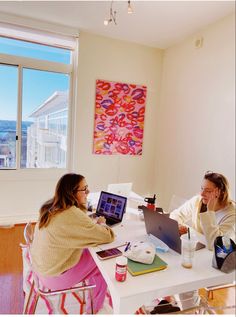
[(199, 246), (108, 254)]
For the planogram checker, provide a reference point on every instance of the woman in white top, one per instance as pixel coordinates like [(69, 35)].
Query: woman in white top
[(212, 212)]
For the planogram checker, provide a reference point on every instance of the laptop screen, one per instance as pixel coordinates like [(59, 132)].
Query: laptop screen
[(111, 206), (163, 228)]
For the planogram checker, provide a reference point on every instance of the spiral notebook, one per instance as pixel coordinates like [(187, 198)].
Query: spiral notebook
[(136, 268)]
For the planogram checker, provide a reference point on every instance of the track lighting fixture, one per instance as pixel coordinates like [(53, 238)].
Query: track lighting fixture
[(112, 16), (130, 10)]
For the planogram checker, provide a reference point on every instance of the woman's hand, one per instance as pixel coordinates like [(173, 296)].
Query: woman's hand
[(101, 220), (213, 200), (182, 229)]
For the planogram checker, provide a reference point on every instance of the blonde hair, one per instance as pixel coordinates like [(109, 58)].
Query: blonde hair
[(221, 182)]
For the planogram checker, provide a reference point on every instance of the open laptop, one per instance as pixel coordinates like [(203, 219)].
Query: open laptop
[(112, 207), (164, 228), (122, 189)]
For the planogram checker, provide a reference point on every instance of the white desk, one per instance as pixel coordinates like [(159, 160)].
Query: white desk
[(128, 296)]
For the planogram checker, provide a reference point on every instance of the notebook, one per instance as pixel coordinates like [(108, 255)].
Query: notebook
[(136, 268), (112, 207), (122, 189)]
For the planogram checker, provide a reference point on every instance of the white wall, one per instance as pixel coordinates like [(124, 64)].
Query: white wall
[(103, 58), (196, 132), (22, 192), (189, 130)]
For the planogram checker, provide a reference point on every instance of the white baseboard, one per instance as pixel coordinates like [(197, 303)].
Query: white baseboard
[(11, 220)]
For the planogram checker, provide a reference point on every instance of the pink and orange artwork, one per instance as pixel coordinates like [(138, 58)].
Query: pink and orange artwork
[(119, 118)]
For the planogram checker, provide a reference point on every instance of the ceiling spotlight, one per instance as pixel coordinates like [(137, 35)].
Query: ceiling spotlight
[(112, 17), (130, 10), (106, 22)]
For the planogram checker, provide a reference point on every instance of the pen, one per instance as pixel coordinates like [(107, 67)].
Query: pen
[(127, 246)]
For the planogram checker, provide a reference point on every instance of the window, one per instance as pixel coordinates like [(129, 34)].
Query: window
[(8, 115), (43, 52), (41, 117), (35, 90)]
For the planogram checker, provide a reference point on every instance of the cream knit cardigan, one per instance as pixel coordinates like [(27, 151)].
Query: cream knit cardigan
[(58, 247)]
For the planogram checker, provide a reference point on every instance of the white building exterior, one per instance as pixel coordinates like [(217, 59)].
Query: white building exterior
[(47, 136)]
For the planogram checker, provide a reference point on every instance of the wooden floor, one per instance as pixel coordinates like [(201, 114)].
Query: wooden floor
[(12, 297), (11, 294)]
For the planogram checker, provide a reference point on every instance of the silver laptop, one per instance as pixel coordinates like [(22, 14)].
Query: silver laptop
[(122, 189), (112, 207), (164, 228)]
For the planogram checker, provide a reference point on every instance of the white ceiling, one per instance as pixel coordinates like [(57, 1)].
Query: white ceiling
[(153, 23)]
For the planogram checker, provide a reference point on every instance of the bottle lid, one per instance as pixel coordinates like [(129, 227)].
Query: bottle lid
[(121, 260), (150, 200)]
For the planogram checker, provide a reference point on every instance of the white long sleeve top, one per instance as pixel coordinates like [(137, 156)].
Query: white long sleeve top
[(210, 223)]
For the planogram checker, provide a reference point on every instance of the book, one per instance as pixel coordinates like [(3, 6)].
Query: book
[(136, 268)]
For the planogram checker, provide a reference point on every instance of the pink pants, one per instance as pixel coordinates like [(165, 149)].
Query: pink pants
[(86, 268)]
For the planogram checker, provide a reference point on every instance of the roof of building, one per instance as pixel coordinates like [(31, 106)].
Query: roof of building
[(57, 101)]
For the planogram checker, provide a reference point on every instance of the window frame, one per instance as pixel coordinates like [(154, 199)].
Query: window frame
[(43, 65)]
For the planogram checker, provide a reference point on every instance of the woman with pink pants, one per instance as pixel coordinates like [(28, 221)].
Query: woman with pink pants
[(61, 238)]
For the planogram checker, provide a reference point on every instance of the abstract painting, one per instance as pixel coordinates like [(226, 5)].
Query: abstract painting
[(119, 118)]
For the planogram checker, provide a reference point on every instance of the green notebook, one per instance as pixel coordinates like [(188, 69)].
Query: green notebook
[(136, 268)]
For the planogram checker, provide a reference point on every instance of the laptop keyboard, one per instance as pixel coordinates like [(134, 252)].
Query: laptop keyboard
[(110, 222)]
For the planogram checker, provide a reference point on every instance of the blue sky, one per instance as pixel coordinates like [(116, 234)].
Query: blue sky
[(37, 85)]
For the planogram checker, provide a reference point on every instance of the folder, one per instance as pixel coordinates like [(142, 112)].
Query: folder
[(136, 268)]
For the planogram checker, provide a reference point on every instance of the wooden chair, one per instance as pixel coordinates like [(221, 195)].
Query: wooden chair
[(37, 290), (210, 290)]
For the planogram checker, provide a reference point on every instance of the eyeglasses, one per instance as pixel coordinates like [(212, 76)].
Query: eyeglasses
[(205, 190), (85, 189)]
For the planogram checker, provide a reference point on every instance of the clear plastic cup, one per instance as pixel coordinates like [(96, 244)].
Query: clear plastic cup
[(187, 250)]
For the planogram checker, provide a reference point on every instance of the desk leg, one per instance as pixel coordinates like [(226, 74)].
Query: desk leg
[(116, 305)]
